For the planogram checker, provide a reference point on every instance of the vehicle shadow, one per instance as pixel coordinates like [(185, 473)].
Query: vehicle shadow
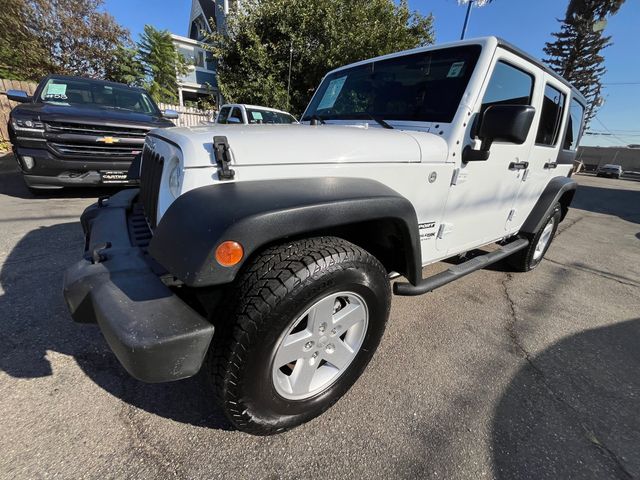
[(35, 321), (572, 411), (12, 185), (624, 204)]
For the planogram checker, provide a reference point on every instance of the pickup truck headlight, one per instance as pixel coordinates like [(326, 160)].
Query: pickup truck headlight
[(175, 179), (26, 124)]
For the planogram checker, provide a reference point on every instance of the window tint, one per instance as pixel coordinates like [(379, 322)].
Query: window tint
[(551, 117), (237, 114), (425, 86), (508, 86), (223, 115), (572, 137)]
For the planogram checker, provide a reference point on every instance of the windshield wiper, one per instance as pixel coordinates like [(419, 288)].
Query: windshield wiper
[(379, 121)]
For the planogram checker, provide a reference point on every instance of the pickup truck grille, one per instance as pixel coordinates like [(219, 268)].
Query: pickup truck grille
[(150, 177), (82, 140), (95, 130)]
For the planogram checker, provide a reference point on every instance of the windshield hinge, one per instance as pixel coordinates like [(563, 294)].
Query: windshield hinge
[(222, 153)]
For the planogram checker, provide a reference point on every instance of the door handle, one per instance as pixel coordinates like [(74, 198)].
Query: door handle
[(550, 165), (518, 165)]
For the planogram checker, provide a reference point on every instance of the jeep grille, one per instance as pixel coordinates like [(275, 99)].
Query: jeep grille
[(150, 177)]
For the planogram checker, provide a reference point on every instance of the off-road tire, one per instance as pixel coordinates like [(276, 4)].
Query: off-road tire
[(524, 260), (273, 289)]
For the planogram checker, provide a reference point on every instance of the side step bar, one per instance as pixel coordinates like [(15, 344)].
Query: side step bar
[(457, 271)]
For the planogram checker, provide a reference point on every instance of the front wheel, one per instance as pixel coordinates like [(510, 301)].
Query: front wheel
[(304, 320), (539, 242)]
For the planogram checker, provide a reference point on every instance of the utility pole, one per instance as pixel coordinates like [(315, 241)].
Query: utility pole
[(466, 19), (289, 82), (470, 4)]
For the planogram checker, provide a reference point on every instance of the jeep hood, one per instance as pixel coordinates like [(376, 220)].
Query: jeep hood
[(299, 143)]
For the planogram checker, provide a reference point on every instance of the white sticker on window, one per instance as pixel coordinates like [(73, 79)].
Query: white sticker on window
[(332, 92), (455, 70), (56, 90), (256, 115)]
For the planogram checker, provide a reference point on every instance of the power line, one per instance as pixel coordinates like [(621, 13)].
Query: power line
[(609, 131), (620, 83)]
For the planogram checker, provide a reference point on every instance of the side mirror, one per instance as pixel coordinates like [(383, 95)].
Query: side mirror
[(18, 96), (233, 120), (170, 114), (502, 123)]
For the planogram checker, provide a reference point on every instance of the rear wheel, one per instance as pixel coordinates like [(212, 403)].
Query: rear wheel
[(529, 258), (304, 319)]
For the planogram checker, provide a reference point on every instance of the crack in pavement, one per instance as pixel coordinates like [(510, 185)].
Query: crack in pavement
[(139, 443), (589, 431)]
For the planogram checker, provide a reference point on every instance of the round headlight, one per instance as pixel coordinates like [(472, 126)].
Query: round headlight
[(175, 180)]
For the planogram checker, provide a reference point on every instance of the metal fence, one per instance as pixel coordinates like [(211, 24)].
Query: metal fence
[(189, 116)]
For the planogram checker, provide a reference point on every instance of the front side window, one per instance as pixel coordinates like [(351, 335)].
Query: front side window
[(572, 137), (425, 86), (508, 86), (97, 94), (236, 115), (223, 115), (551, 117)]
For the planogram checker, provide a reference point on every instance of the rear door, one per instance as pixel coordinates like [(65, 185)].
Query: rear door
[(482, 196), (550, 100)]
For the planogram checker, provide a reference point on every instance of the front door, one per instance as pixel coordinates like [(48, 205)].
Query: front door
[(482, 197)]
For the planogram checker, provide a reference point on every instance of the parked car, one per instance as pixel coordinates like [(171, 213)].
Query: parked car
[(250, 114), (263, 255), (77, 131), (609, 170)]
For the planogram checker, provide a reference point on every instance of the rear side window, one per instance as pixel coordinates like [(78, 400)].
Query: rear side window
[(572, 137), (551, 117), (508, 86), (223, 115)]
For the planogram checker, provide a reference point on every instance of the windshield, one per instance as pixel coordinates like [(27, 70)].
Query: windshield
[(97, 94), (255, 115), (424, 87)]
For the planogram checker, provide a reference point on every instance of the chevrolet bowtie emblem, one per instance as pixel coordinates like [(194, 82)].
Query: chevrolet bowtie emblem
[(107, 140)]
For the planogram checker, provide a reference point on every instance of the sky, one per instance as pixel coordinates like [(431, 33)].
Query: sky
[(525, 23)]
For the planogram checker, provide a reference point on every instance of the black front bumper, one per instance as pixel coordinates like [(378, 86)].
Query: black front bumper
[(155, 335), (51, 171)]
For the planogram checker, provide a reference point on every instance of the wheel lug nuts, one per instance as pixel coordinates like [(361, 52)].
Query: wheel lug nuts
[(308, 345), (330, 348), (322, 327), (315, 355), (334, 332)]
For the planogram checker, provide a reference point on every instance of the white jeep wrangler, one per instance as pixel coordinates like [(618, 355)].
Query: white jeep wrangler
[(283, 239)]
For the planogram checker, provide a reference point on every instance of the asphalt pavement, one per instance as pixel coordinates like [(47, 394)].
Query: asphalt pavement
[(499, 375)]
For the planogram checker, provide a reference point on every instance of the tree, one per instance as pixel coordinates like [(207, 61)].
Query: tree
[(266, 36), (22, 52), (162, 63), (125, 67), (57, 36), (576, 52)]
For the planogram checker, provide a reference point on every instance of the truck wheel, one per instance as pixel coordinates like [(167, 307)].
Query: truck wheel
[(529, 258), (304, 319)]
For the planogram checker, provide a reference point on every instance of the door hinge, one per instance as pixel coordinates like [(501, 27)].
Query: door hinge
[(512, 214), (445, 229), (459, 177), (525, 175)]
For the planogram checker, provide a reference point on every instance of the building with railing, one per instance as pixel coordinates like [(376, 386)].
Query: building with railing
[(200, 82)]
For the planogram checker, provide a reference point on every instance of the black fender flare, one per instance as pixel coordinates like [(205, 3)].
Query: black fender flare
[(553, 193), (261, 212)]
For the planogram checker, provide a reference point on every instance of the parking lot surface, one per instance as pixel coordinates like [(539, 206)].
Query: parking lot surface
[(498, 375)]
